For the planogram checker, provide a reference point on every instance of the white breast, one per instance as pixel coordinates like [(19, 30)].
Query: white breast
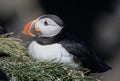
[(50, 52)]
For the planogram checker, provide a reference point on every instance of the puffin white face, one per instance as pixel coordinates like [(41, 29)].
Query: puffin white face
[(47, 27), (44, 26)]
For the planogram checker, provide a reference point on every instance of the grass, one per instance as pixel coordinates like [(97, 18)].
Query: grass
[(20, 67)]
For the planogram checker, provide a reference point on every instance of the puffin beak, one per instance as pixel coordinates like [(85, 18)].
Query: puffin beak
[(26, 29), (37, 29)]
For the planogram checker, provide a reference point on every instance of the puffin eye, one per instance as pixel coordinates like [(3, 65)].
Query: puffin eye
[(45, 23)]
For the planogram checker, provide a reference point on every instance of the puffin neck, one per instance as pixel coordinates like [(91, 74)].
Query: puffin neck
[(50, 40)]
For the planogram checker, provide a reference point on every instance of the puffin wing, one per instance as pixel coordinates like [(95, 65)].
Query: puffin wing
[(85, 55)]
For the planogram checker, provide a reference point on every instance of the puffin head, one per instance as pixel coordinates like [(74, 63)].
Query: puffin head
[(44, 26)]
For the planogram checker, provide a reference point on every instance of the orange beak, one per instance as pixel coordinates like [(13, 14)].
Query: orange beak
[(27, 27)]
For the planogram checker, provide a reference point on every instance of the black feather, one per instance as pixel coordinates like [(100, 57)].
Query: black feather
[(84, 54)]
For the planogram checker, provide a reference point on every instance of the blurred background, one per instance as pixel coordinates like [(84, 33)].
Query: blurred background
[(96, 22)]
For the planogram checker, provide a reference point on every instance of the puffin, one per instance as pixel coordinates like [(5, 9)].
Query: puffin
[(52, 41)]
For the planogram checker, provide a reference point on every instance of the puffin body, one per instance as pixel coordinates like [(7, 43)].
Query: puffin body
[(50, 52), (52, 42)]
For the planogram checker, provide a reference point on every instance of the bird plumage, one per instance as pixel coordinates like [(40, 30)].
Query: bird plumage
[(62, 46)]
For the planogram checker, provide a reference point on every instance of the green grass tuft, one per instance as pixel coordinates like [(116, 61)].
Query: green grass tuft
[(20, 67)]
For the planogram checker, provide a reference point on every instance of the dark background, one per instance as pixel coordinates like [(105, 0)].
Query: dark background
[(78, 15)]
